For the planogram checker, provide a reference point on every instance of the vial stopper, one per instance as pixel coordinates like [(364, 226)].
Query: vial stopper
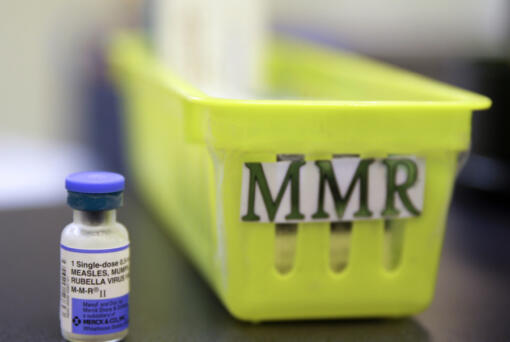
[(94, 191)]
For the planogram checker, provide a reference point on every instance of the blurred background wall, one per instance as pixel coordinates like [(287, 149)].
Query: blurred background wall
[(51, 52), (400, 28), (47, 54)]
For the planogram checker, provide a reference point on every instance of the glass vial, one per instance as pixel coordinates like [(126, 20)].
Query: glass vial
[(94, 261)]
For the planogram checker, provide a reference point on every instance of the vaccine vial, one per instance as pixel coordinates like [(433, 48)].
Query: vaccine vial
[(94, 261)]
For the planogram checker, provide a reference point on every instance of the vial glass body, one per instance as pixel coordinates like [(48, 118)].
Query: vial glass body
[(94, 272)]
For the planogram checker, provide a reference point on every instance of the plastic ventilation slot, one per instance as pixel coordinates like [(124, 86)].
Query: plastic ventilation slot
[(339, 245), (286, 234), (393, 243), (285, 247)]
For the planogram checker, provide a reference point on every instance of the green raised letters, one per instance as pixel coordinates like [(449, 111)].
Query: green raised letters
[(257, 176), (327, 174), (392, 188)]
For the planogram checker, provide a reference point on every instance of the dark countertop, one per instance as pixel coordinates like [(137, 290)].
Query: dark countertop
[(171, 302)]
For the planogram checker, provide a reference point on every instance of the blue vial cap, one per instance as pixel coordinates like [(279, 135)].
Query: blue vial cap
[(95, 191), (95, 182)]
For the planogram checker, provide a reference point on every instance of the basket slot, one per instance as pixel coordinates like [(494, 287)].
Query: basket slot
[(285, 239), (339, 245), (291, 157), (394, 235), (285, 247)]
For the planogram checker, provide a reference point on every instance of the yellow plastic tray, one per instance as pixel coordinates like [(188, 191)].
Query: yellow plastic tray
[(187, 152)]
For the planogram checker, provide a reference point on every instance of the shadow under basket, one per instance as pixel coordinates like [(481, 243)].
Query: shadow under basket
[(187, 153)]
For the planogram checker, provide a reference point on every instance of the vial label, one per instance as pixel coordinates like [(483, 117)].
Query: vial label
[(94, 290)]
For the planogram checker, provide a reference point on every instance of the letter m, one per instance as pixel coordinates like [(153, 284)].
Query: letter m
[(327, 176), (257, 177)]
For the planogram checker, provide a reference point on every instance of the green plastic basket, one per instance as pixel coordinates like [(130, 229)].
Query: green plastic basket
[(187, 152)]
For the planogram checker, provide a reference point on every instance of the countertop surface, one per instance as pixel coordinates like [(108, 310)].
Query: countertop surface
[(171, 302)]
